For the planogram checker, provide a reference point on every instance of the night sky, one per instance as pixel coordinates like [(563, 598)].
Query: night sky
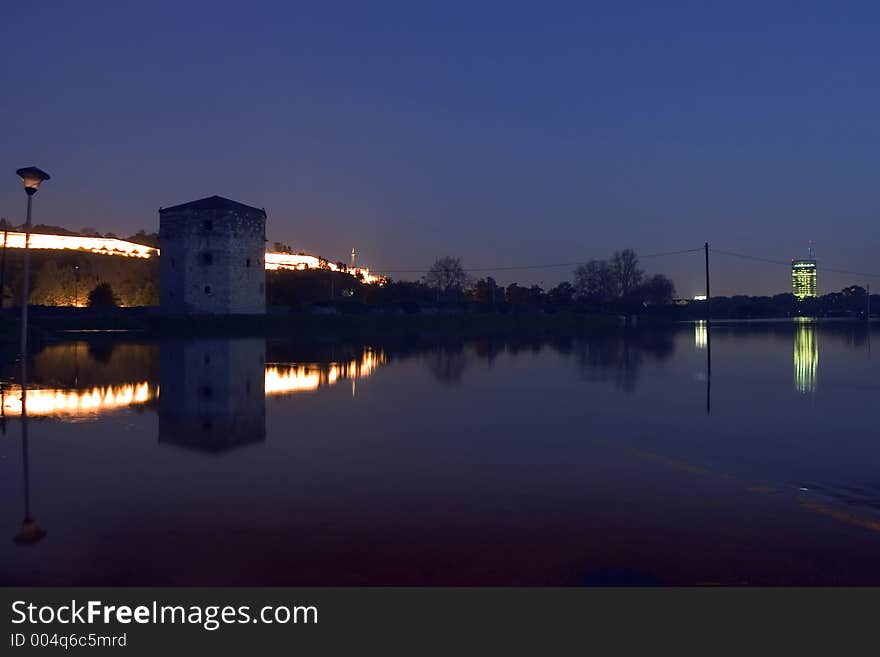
[(504, 136)]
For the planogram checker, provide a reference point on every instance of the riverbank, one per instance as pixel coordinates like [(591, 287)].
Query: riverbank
[(332, 323)]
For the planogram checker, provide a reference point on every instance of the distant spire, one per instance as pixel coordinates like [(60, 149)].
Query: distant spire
[(811, 248), (353, 254)]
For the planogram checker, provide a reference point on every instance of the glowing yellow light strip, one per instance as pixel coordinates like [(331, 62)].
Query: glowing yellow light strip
[(103, 245), (280, 379), (112, 246), (283, 379), (277, 260), (77, 402)]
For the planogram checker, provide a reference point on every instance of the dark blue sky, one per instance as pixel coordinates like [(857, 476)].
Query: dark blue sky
[(505, 136)]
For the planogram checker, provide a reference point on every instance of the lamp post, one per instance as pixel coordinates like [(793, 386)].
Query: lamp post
[(30, 532), (31, 177), (76, 286)]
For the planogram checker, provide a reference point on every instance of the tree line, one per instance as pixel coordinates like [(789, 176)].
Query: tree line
[(616, 283), (75, 278)]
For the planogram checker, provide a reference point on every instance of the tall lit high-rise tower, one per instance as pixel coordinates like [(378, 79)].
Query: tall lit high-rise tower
[(804, 277)]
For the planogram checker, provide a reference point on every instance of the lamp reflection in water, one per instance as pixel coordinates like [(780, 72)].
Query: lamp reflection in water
[(806, 356), (30, 533)]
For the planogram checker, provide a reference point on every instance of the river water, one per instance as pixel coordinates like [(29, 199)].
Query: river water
[(618, 458)]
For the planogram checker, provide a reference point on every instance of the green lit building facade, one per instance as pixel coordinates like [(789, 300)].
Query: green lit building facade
[(803, 278)]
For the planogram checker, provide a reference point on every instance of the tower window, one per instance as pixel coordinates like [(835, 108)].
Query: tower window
[(207, 289), (206, 258), (247, 263), (208, 225)]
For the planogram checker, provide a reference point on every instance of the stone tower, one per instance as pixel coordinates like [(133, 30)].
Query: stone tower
[(212, 258)]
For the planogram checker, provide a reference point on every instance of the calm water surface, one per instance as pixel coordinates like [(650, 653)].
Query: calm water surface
[(614, 459)]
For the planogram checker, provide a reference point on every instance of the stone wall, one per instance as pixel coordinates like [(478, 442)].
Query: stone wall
[(212, 259)]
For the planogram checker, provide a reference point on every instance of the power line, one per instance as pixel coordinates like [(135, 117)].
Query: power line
[(643, 256), (533, 266), (788, 264)]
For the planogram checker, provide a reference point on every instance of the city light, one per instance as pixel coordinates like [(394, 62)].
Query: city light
[(804, 282)]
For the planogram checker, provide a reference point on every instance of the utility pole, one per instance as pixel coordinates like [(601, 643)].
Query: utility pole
[(708, 294), (708, 338)]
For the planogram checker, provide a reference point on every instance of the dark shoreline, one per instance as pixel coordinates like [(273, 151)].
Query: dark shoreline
[(51, 324)]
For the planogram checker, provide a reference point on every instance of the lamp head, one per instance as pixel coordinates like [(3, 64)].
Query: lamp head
[(31, 177)]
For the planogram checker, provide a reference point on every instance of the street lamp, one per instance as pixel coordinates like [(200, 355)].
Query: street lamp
[(31, 177)]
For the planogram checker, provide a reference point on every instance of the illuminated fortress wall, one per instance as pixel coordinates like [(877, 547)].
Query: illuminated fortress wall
[(100, 245), (111, 246)]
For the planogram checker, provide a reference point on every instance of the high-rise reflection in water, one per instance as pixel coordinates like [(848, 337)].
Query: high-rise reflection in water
[(806, 357), (212, 393), (701, 334)]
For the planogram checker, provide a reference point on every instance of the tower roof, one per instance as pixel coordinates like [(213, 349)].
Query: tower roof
[(213, 203)]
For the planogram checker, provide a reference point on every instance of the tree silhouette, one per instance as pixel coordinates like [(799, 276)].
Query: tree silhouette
[(656, 290), (102, 296), (595, 281), (447, 276), (627, 275)]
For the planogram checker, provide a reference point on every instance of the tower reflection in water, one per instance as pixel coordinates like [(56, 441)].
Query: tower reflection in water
[(806, 356), (212, 393)]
